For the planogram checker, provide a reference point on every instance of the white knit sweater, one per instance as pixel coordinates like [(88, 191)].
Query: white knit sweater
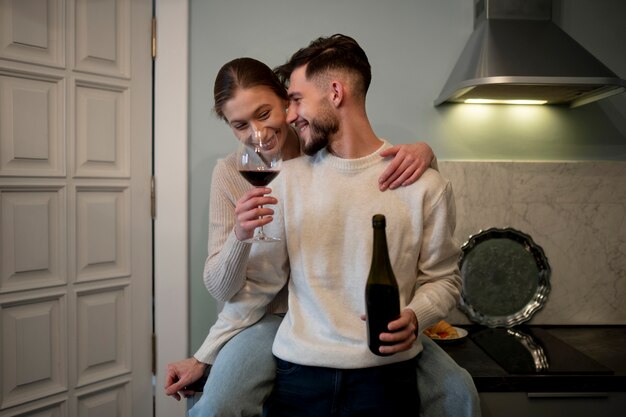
[(324, 215), (227, 260)]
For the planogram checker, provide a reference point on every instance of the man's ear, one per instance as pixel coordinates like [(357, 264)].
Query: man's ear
[(337, 92)]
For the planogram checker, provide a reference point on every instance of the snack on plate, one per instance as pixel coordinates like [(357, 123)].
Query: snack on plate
[(441, 330)]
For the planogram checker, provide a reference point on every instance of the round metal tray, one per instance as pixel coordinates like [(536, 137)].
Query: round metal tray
[(506, 277)]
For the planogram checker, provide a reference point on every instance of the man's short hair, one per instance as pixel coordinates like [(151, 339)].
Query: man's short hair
[(337, 52)]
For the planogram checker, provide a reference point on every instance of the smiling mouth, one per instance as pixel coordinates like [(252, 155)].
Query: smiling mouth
[(268, 144), (301, 125)]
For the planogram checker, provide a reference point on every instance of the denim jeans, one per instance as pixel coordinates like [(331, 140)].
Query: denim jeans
[(445, 389), (312, 391), (242, 378), (243, 374)]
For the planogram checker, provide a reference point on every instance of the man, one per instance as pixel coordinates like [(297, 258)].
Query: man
[(324, 364)]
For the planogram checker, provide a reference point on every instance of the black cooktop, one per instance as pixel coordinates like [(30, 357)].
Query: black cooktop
[(525, 350)]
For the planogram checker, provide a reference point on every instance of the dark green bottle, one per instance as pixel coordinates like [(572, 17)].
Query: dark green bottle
[(382, 298)]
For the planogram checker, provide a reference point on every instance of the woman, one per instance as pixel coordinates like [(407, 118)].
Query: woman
[(248, 95)]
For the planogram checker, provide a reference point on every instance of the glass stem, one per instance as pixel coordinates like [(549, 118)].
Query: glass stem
[(260, 229)]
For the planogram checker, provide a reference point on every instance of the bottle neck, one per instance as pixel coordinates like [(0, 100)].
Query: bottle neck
[(380, 254)]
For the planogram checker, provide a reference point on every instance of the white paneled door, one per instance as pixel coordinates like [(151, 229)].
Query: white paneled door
[(75, 222)]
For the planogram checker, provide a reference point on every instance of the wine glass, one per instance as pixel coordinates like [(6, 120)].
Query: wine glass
[(259, 160)]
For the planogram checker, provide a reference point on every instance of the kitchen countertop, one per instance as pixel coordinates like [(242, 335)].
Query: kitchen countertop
[(605, 345)]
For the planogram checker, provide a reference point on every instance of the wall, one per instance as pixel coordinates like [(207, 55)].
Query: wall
[(412, 46), (575, 211)]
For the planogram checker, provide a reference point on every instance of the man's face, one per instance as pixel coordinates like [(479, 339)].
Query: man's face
[(311, 111)]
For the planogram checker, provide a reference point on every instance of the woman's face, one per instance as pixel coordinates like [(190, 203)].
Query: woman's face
[(256, 108)]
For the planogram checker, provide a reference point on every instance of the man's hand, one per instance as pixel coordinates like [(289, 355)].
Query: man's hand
[(402, 332), (408, 164), (181, 374)]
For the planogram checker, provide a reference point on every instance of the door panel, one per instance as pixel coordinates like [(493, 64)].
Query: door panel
[(102, 130), (103, 37), (33, 236), (75, 225), (33, 31), (34, 348), (102, 232), (103, 348), (31, 124)]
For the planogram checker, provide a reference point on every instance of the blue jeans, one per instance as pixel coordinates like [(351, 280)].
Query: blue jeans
[(313, 391), (243, 374), (242, 378), (445, 389)]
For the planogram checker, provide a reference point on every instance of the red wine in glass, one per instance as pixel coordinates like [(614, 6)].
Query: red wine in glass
[(259, 178)]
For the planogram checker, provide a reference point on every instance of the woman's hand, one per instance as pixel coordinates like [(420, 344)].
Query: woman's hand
[(248, 212), (408, 164), (182, 374)]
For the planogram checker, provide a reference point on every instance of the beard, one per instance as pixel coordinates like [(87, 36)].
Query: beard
[(320, 129)]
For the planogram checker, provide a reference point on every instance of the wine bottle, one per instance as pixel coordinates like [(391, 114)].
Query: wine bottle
[(382, 298)]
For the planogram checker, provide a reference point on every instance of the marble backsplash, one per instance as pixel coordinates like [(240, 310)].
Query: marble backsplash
[(576, 211)]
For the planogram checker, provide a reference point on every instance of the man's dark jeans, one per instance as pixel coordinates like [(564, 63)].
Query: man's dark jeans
[(302, 391)]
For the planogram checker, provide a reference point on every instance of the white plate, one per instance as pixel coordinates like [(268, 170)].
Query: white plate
[(462, 335)]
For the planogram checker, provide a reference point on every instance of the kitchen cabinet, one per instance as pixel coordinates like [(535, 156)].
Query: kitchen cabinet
[(567, 389)]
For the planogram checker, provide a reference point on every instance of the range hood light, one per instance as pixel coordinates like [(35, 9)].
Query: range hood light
[(516, 51), (493, 101)]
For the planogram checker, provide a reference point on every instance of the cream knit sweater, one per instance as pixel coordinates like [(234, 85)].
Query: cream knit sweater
[(324, 215), (227, 260)]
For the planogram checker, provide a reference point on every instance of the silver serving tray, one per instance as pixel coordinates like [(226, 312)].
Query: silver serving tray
[(506, 277)]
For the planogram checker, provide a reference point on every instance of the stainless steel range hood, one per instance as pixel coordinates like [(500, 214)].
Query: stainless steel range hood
[(516, 52)]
